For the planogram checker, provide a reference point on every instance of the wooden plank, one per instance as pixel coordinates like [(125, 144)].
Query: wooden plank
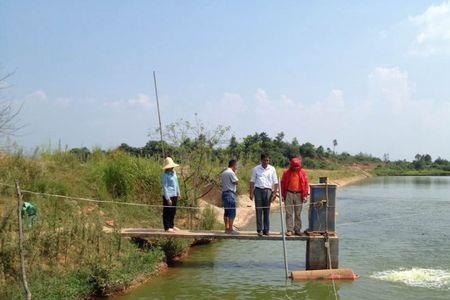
[(213, 234)]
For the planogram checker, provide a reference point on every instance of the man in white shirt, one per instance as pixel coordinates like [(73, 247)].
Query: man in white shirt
[(264, 187)]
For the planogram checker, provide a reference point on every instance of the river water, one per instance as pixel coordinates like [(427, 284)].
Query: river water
[(394, 232)]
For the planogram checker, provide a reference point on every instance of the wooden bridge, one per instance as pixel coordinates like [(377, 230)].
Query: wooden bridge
[(210, 234)]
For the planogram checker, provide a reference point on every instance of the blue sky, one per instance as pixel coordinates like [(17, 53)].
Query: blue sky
[(373, 75)]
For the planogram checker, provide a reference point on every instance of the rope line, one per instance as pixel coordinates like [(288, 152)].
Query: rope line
[(133, 203)]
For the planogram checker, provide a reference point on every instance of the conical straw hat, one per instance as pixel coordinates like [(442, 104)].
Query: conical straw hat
[(168, 163)]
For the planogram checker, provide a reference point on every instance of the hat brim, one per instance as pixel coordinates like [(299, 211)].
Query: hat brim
[(170, 166)]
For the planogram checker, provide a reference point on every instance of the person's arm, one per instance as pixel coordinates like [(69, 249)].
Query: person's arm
[(235, 180), (165, 184), (252, 183), (283, 185), (275, 184), (177, 187), (252, 190), (305, 191)]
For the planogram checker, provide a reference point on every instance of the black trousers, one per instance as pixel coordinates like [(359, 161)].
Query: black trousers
[(262, 199), (169, 213)]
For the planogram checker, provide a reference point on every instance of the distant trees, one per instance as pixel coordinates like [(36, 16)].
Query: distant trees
[(184, 143)]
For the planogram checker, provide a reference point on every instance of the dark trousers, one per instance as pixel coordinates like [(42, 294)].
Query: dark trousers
[(169, 213), (262, 199)]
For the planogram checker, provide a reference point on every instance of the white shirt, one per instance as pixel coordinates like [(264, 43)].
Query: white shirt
[(264, 178)]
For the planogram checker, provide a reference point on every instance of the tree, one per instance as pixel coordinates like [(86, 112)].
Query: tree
[(8, 113), (193, 146), (335, 143)]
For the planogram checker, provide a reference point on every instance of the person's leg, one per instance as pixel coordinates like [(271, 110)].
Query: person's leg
[(298, 213), (173, 211), (289, 201), (232, 214), (266, 210), (165, 216), (225, 211), (258, 203)]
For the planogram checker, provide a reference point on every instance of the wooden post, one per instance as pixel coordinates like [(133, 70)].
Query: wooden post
[(22, 259)]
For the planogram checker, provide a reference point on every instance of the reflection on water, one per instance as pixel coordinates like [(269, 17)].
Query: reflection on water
[(393, 230)]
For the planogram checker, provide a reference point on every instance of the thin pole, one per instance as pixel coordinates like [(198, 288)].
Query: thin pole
[(159, 114), (22, 258), (283, 233)]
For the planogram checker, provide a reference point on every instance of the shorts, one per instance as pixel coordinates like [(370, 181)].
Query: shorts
[(229, 204)]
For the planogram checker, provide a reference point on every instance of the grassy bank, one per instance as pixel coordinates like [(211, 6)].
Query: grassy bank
[(387, 171), (67, 249)]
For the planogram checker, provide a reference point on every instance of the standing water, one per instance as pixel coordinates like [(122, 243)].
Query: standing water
[(394, 232)]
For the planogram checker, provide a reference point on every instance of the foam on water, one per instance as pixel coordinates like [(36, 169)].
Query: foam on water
[(428, 278)]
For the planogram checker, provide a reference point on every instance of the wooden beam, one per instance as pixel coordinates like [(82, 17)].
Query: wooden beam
[(213, 234)]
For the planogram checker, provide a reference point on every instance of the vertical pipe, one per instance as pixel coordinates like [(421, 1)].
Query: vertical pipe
[(22, 258), (283, 233), (159, 115)]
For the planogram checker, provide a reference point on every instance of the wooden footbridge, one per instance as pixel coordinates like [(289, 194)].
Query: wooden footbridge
[(322, 250), (212, 234)]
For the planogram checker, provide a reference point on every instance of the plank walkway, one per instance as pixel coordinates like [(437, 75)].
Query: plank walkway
[(213, 234)]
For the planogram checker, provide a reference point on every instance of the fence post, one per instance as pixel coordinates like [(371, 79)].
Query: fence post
[(22, 259)]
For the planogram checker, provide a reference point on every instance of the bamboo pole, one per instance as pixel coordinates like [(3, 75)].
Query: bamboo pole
[(283, 233), (22, 258), (159, 115)]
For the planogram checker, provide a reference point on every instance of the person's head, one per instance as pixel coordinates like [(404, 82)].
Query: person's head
[(265, 159), (169, 164), (296, 163), (232, 164)]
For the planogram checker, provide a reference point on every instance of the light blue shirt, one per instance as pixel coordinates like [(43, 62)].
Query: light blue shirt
[(170, 187)]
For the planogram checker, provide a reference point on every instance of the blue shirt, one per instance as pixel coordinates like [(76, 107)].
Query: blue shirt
[(170, 185)]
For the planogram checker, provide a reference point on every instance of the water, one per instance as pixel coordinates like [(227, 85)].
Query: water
[(394, 233)]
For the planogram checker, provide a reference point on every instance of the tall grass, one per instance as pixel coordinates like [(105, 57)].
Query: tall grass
[(67, 248)]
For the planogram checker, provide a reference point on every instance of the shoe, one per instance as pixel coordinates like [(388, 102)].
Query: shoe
[(170, 230), (299, 233), (260, 234), (266, 233), (289, 233), (175, 228), (233, 232)]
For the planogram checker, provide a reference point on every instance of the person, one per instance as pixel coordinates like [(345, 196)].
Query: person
[(229, 184), (264, 187), (171, 194), (30, 211), (294, 190)]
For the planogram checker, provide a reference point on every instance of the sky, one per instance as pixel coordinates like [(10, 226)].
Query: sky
[(374, 75)]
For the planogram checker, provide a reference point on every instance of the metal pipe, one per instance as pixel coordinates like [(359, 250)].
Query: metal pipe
[(159, 115), (283, 233)]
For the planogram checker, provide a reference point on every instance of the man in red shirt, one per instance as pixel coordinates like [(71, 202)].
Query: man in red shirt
[(295, 190)]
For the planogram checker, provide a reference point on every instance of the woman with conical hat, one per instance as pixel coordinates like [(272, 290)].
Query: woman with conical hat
[(171, 194)]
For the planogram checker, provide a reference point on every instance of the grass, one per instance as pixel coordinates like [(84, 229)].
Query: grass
[(67, 248)]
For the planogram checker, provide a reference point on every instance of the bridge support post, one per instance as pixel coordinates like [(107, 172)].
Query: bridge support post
[(316, 253)]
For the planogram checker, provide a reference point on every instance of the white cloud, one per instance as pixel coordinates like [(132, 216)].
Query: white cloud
[(140, 101), (433, 37), (38, 95), (391, 86), (388, 120)]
